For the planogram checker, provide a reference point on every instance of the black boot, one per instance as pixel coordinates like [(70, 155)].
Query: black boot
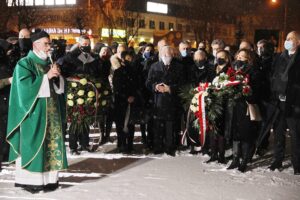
[(236, 155), (235, 163), (221, 150), (275, 165), (221, 159), (213, 158), (246, 156), (214, 148), (242, 168)]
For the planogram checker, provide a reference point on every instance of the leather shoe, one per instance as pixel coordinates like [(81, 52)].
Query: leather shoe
[(296, 171), (275, 165)]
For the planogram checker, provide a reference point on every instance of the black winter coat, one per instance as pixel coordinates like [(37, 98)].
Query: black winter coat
[(200, 74), (166, 105), (74, 65), (5, 72), (187, 63), (280, 63), (123, 87), (293, 88), (242, 127), (266, 71)]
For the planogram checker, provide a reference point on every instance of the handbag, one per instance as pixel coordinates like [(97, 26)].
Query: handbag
[(254, 112)]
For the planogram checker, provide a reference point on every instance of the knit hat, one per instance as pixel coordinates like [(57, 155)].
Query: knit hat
[(38, 34)]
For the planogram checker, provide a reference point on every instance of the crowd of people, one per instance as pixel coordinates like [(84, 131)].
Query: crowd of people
[(148, 82)]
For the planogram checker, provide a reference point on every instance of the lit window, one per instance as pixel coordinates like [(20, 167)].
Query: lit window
[(39, 2), (9, 2), (70, 2), (157, 7), (117, 33), (49, 2), (21, 3), (29, 2), (60, 2)]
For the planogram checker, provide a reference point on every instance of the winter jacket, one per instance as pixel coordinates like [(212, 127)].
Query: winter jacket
[(293, 88), (166, 105), (77, 63)]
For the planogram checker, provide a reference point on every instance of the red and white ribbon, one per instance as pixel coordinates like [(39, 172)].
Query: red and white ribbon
[(202, 114)]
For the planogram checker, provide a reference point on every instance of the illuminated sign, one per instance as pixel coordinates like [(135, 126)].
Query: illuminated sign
[(117, 33), (157, 7), (63, 30), (40, 2)]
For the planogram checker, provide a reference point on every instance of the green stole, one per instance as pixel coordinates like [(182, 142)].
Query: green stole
[(35, 131)]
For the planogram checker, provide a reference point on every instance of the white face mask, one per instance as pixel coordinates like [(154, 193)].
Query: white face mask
[(166, 60), (289, 45), (215, 53), (259, 51), (42, 55)]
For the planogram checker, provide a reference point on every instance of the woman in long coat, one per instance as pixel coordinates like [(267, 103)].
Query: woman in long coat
[(245, 130)]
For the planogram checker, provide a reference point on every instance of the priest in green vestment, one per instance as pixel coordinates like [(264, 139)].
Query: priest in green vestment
[(35, 119)]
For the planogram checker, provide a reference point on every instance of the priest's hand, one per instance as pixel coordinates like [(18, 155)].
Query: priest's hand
[(10, 79), (53, 72)]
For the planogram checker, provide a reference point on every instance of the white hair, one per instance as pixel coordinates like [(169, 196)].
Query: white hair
[(164, 49)]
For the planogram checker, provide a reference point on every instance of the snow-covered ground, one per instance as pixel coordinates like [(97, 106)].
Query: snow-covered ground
[(184, 177)]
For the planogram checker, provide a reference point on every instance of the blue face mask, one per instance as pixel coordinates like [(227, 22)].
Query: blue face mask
[(288, 45), (183, 53), (147, 54)]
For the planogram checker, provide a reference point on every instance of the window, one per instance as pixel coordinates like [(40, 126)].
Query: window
[(161, 25), (152, 24), (60, 2), (179, 27), (70, 2), (188, 28), (29, 2), (130, 22), (40, 2), (142, 23), (171, 26), (49, 2), (157, 7)]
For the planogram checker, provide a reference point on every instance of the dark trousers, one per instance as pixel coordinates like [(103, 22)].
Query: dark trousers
[(164, 136), (150, 133), (4, 146), (294, 126), (83, 139), (217, 145), (143, 131), (280, 127), (106, 125), (243, 149), (267, 110), (125, 139)]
